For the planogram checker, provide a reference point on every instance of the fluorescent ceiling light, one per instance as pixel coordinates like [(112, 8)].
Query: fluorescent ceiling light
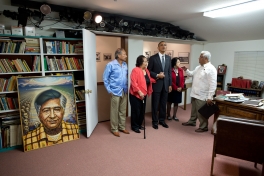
[(235, 9)]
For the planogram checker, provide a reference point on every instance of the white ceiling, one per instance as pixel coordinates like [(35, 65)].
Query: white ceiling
[(188, 14)]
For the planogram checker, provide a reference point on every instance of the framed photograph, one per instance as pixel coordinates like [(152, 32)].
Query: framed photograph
[(184, 57), (147, 54), (169, 53), (261, 85), (221, 69), (107, 56), (98, 59), (47, 110)]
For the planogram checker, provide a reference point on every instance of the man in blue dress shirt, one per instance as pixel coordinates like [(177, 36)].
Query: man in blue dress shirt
[(115, 82)]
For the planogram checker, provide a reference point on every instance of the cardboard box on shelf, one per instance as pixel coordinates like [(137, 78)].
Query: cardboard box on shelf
[(2, 26), (29, 31), (8, 32), (17, 30)]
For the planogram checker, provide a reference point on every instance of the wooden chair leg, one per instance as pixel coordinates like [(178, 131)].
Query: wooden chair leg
[(213, 156), (262, 169)]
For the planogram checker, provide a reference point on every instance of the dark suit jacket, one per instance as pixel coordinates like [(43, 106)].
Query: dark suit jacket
[(155, 67)]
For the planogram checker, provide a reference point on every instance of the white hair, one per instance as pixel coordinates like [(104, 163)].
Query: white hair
[(206, 54)]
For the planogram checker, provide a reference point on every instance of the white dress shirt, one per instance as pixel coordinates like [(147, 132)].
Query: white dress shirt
[(204, 81)]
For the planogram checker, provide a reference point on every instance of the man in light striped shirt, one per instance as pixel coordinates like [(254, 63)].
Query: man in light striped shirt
[(203, 89)]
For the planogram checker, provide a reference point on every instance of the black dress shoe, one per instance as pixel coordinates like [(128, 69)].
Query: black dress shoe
[(141, 128), (155, 127), (188, 124), (164, 124), (199, 130), (137, 131)]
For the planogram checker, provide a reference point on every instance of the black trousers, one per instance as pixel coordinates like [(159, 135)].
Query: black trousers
[(159, 100), (137, 111)]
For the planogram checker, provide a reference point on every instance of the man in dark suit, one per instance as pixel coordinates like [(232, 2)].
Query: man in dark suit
[(160, 69)]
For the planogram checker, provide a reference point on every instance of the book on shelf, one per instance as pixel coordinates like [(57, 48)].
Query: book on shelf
[(80, 82), (10, 130)]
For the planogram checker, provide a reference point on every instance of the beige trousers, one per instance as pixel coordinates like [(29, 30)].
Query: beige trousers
[(118, 112), (196, 105)]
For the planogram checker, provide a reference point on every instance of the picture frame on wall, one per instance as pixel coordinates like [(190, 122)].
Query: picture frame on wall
[(184, 57), (147, 54), (107, 56), (221, 70), (98, 59), (47, 110), (169, 53)]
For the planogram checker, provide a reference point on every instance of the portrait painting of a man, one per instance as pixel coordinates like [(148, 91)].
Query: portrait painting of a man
[(48, 111)]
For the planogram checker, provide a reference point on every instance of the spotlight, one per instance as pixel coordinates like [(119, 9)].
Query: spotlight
[(87, 15), (123, 23), (12, 15), (102, 24), (45, 9), (23, 14), (98, 18)]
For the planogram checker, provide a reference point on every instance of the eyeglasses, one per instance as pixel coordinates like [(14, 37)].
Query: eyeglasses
[(47, 111)]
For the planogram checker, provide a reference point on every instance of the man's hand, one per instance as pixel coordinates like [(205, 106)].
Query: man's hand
[(209, 102), (184, 68), (161, 75), (170, 88)]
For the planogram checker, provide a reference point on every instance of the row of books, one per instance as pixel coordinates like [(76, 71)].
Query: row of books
[(36, 64), (80, 94), (64, 63), (27, 45), (8, 84), (16, 65), (7, 103), (10, 131), (81, 112), (61, 47)]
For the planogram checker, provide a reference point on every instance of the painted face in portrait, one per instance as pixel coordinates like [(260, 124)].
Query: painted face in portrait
[(51, 114)]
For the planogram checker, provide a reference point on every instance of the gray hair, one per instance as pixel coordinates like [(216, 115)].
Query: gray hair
[(118, 52), (206, 54)]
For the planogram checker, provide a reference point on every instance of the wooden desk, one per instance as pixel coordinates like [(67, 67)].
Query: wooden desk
[(239, 110)]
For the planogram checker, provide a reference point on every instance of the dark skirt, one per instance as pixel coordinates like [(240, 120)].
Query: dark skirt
[(175, 97)]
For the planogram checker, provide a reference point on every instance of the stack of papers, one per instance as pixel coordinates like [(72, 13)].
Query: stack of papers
[(253, 102), (237, 98)]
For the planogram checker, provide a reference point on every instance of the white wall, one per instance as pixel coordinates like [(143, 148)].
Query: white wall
[(224, 53), (105, 44), (135, 48)]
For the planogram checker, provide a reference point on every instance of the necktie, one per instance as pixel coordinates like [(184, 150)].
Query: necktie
[(163, 62)]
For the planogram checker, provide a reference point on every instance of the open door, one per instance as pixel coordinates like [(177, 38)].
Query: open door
[(90, 76)]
